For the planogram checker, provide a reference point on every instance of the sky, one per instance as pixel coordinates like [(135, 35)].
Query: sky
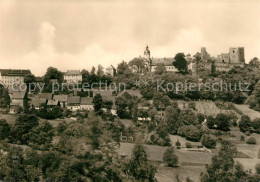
[(80, 34)]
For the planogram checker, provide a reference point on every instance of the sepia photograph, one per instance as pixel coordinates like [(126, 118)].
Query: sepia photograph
[(129, 91)]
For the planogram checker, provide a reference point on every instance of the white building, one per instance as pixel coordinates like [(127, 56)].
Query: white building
[(8, 77), (86, 103), (73, 103), (73, 76)]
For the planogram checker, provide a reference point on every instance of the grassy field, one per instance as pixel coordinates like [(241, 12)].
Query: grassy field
[(192, 164), (247, 111)]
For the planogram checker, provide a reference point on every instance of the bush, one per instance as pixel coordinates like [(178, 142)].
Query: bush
[(222, 121), (257, 168), (178, 144), (245, 124), (190, 132), (4, 129), (170, 158), (210, 122), (188, 145), (256, 125), (208, 141), (192, 105), (201, 118), (251, 140), (242, 138)]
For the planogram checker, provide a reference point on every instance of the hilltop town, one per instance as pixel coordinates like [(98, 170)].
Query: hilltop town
[(173, 111)]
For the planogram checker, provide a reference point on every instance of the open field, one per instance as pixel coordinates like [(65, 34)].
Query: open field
[(192, 164), (247, 111)]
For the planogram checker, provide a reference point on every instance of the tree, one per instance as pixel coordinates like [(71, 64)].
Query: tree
[(160, 100), (223, 122), (121, 104), (180, 63), (254, 63), (223, 167), (190, 132), (213, 69), (245, 124), (160, 69), (172, 119), (4, 129), (188, 117), (170, 158), (137, 64), (41, 136), (256, 125), (97, 102), (208, 141), (22, 126), (100, 71), (122, 67), (139, 167), (53, 73)]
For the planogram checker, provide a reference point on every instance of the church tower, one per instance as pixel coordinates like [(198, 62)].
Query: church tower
[(147, 53), (147, 58)]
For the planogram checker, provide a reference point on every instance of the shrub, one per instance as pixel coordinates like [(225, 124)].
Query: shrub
[(192, 105), (201, 118), (190, 132), (251, 140), (245, 124), (178, 144), (257, 168), (188, 145), (242, 138), (222, 121), (256, 125), (4, 129), (208, 141), (170, 158), (210, 122)]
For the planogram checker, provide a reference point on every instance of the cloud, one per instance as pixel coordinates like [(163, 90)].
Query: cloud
[(46, 55), (47, 35)]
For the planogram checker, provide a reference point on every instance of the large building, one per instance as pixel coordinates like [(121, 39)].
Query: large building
[(73, 76), (152, 63), (9, 77), (226, 61)]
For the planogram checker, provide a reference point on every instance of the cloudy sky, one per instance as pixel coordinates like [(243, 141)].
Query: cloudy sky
[(79, 34)]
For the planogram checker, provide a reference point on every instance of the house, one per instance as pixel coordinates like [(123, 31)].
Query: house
[(53, 103), (73, 76), (63, 99), (86, 104), (10, 77), (47, 96), (36, 102), (152, 63), (16, 101), (73, 103)]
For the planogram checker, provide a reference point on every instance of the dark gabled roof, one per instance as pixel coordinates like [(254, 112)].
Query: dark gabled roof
[(61, 98), (86, 101), (106, 94), (17, 95), (36, 102), (74, 100), (39, 79), (11, 72), (72, 72), (164, 61), (47, 96), (52, 103)]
